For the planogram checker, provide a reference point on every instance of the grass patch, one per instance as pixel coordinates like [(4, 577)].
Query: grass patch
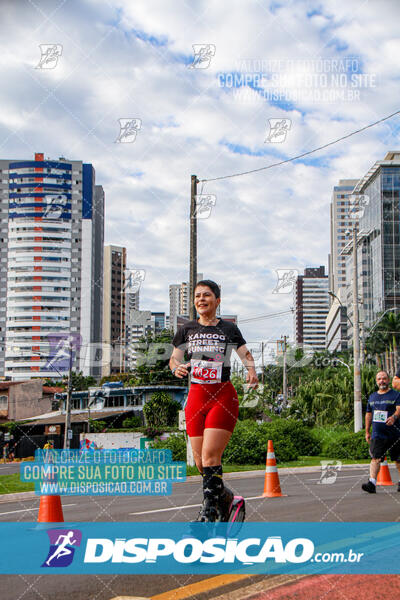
[(10, 484)]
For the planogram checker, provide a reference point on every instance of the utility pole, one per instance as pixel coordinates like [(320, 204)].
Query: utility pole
[(262, 362), (356, 340), (284, 371), (67, 441), (193, 247)]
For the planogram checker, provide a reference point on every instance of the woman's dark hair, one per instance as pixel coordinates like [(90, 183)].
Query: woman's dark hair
[(212, 285)]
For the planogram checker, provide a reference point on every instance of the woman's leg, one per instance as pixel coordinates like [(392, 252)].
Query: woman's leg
[(197, 443), (213, 446)]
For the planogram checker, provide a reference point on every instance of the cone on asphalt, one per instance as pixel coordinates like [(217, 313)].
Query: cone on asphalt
[(50, 510), (272, 487), (50, 507), (384, 477)]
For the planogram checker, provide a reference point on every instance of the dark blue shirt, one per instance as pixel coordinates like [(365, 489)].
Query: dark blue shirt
[(381, 406)]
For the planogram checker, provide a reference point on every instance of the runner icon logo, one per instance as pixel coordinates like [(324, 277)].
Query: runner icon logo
[(62, 547), (329, 471)]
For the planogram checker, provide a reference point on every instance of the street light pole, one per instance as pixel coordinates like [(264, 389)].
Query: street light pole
[(356, 340)]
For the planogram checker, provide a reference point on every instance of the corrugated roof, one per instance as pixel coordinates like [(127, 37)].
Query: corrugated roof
[(59, 419)]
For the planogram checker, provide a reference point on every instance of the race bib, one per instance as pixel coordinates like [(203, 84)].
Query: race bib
[(206, 371), (380, 416)]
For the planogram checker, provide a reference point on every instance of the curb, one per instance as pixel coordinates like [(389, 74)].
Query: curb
[(234, 475), (281, 470), (17, 496)]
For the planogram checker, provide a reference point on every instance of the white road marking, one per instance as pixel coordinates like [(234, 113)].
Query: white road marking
[(339, 477), (158, 510), (11, 512)]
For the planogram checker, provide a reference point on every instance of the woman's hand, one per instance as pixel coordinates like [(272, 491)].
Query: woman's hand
[(252, 378), (182, 371)]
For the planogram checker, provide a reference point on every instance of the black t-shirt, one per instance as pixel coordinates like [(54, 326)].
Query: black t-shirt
[(210, 342), (383, 406)]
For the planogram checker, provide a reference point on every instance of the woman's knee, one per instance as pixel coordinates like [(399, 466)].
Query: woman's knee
[(211, 458)]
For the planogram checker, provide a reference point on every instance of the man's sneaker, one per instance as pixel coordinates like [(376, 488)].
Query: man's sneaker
[(369, 487), (225, 504), (208, 513)]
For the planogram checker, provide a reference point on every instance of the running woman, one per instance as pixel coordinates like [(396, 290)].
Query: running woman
[(212, 406)]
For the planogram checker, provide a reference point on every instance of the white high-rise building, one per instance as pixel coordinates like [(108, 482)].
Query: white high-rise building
[(340, 223), (51, 253), (179, 302)]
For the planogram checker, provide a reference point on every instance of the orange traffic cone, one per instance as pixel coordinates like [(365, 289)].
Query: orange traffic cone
[(50, 510), (272, 487), (50, 507), (384, 474)]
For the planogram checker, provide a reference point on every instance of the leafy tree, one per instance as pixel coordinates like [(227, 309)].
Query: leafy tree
[(384, 337), (97, 426), (161, 410), (78, 380), (153, 354), (132, 422)]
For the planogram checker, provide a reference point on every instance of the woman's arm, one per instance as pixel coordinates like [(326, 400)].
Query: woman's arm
[(248, 361), (175, 362)]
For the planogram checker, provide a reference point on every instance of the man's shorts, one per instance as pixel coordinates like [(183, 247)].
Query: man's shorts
[(380, 447), (211, 405)]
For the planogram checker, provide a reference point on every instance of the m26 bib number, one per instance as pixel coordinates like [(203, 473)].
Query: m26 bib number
[(206, 371), (380, 416)]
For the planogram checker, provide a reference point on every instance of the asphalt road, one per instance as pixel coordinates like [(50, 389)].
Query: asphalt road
[(306, 500), (9, 468)]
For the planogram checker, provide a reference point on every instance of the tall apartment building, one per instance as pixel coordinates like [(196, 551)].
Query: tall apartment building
[(378, 240), (311, 301), (142, 323), (113, 308), (340, 223), (51, 257), (179, 302), (174, 303)]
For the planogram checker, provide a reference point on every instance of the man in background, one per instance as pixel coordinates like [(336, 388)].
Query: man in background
[(383, 412)]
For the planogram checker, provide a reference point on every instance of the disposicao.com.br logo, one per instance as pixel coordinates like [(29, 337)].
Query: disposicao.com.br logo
[(191, 550), (197, 548)]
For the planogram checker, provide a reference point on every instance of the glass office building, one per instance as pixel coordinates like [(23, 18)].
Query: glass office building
[(379, 234)]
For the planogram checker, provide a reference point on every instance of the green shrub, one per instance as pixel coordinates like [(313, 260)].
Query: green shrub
[(249, 441), (176, 443), (132, 422), (350, 445), (97, 426), (161, 410), (302, 437)]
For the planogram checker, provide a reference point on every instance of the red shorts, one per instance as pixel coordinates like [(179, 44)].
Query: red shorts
[(211, 405)]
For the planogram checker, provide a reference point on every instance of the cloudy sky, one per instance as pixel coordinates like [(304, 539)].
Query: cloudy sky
[(322, 69)]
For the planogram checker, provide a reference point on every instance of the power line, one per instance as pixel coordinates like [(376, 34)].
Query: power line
[(282, 162), (270, 316)]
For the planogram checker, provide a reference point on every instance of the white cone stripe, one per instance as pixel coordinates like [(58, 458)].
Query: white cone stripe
[(270, 454), (271, 469)]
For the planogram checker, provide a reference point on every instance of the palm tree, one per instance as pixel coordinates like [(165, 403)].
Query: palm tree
[(384, 337)]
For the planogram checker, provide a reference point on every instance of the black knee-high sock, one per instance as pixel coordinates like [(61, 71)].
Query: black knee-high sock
[(212, 483)]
